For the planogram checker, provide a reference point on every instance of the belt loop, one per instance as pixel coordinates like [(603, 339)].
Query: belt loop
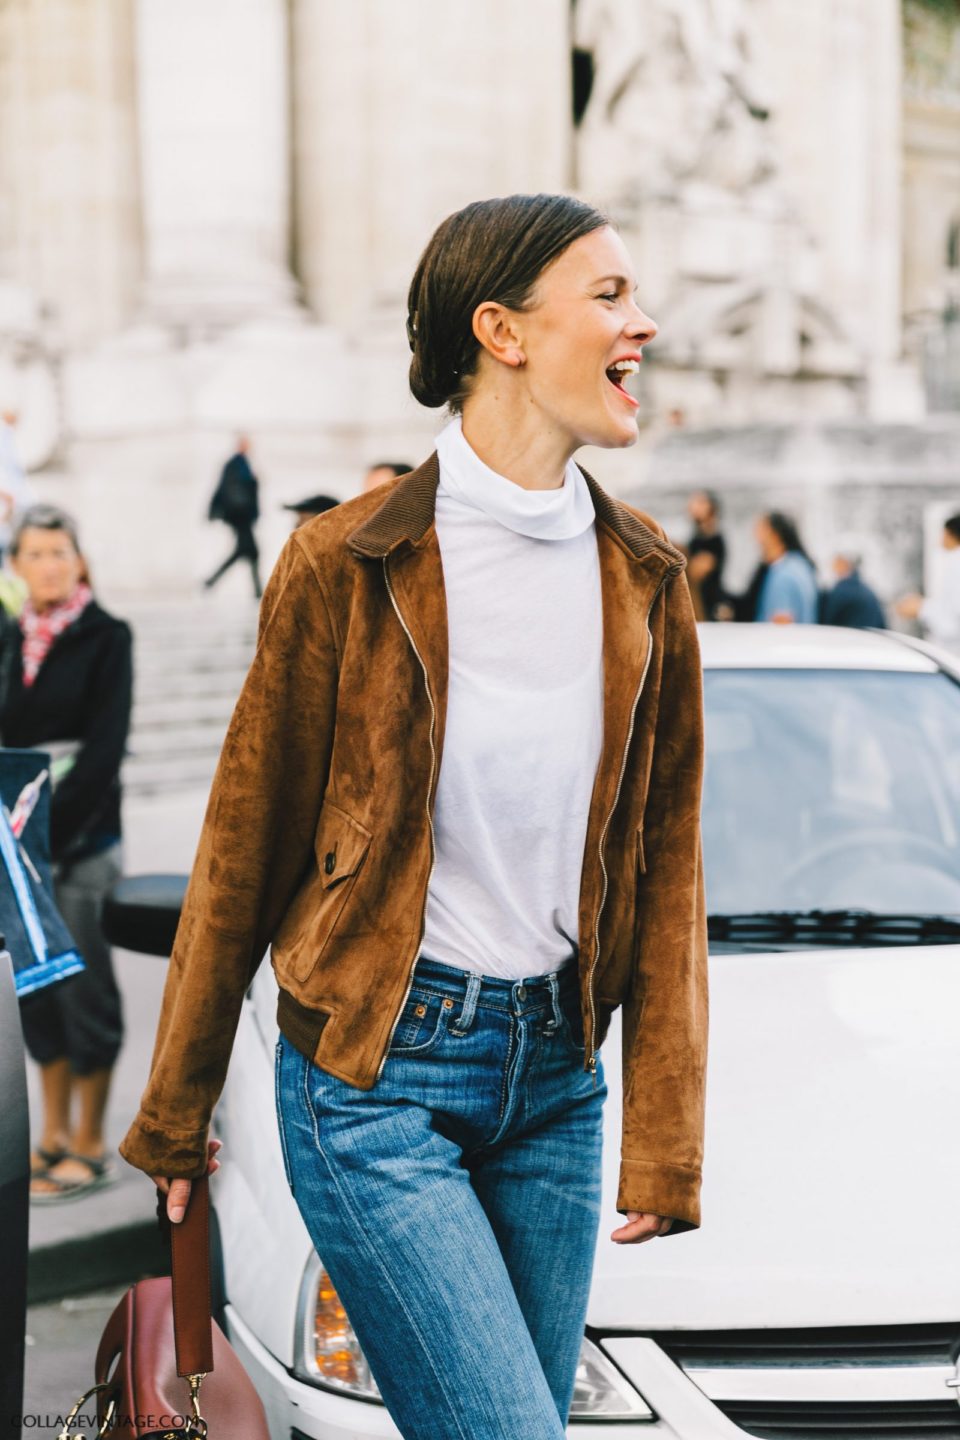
[(555, 1002), (462, 1024)]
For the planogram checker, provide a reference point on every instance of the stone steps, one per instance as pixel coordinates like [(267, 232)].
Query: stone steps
[(189, 665)]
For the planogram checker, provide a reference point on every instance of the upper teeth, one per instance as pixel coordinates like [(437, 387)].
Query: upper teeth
[(626, 367)]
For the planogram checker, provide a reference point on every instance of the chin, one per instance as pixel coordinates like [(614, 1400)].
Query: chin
[(612, 435)]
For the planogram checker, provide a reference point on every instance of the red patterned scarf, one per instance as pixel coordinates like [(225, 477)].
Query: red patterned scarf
[(41, 628)]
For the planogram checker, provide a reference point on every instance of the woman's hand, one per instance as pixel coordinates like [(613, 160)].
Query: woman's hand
[(909, 607), (178, 1191), (641, 1226)]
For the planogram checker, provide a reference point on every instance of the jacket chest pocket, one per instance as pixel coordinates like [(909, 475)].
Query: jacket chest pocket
[(340, 848)]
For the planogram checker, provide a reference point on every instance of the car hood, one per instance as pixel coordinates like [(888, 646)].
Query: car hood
[(832, 1167)]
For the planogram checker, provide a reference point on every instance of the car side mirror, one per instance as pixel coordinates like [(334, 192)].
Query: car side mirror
[(142, 912)]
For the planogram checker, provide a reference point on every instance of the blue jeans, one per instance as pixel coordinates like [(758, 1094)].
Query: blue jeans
[(455, 1205)]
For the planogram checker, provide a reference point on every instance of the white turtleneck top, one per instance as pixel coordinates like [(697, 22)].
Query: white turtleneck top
[(524, 716)]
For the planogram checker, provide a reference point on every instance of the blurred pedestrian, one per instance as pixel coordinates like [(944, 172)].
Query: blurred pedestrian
[(304, 510), (236, 502), (939, 612), (707, 552), (851, 602), (382, 471), (16, 492), (66, 676), (788, 593)]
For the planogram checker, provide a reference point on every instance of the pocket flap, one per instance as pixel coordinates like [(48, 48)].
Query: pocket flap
[(641, 857), (341, 845)]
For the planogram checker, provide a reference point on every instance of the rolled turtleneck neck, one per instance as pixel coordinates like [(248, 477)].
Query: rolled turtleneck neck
[(557, 514)]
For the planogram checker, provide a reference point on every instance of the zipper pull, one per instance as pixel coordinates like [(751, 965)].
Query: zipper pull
[(593, 1068)]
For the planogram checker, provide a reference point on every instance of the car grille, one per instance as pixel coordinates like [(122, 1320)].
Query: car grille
[(890, 1420), (826, 1345), (870, 1355)]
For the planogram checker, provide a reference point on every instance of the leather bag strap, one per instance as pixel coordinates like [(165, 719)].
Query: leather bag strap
[(190, 1244)]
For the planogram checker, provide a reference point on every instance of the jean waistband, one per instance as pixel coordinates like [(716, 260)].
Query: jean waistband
[(516, 996)]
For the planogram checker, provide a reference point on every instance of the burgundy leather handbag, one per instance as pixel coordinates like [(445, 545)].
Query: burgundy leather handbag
[(161, 1345)]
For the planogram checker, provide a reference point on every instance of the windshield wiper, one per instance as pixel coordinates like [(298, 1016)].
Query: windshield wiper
[(833, 928)]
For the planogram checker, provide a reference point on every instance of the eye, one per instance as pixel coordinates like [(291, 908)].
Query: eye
[(611, 296)]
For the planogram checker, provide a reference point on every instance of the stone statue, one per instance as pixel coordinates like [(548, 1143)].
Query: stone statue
[(675, 98)]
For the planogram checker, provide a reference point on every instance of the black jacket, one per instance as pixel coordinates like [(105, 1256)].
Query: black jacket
[(83, 692), (236, 498)]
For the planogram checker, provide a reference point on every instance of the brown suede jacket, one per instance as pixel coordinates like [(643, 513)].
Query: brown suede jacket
[(318, 836)]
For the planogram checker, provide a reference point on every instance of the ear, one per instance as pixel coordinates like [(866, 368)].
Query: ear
[(496, 329)]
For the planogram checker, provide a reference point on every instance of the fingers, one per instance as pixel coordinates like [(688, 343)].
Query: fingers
[(177, 1197), (641, 1226), (178, 1191)]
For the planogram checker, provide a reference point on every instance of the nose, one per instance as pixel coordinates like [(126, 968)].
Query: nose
[(641, 327)]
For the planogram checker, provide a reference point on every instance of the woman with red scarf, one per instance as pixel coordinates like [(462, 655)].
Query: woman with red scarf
[(66, 678)]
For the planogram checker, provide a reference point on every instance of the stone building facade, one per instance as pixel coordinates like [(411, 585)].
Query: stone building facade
[(210, 209)]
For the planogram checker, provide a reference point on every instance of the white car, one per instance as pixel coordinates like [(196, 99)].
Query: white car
[(821, 1297)]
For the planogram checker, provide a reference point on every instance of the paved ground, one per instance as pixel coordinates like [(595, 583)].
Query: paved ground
[(62, 1339)]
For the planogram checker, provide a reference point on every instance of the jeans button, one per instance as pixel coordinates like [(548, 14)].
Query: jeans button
[(521, 992)]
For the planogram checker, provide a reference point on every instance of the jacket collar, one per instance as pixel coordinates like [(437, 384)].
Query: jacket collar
[(407, 516)]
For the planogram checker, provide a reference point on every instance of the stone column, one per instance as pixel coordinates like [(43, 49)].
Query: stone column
[(404, 112), (69, 206), (213, 116)]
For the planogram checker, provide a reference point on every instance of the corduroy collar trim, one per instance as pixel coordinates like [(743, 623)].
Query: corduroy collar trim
[(408, 514)]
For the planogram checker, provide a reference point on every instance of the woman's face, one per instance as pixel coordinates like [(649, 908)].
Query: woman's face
[(584, 320), (49, 565)]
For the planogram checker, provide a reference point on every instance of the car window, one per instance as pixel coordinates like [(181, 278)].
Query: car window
[(832, 790)]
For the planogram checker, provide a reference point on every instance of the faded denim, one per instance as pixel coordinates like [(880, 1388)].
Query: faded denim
[(456, 1204)]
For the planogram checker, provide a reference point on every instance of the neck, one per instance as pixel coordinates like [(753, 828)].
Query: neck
[(42, 606), (510, 437)]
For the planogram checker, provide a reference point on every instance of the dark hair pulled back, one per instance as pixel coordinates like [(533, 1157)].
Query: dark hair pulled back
[(787, 533), (492, 250)]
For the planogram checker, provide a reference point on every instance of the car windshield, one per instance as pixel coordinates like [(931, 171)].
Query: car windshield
[(832, 790)]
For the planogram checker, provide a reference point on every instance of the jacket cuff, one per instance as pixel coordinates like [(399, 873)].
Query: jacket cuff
[(157, 1150), (660, 1189)]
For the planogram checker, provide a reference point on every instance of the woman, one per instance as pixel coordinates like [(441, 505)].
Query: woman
[(67, 681), (788, 593), (470, 741)]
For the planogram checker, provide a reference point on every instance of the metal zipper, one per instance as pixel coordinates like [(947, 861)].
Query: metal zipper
[(433, 845), (592, 1063)]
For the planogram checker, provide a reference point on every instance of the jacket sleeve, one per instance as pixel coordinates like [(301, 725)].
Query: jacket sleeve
[(255, 844), (82, 792), (665, 1015)]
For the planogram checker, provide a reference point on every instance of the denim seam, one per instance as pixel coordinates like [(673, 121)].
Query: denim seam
[(276, 1090), (373, 1255)]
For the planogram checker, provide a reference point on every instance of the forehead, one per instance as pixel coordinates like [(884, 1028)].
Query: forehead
[(596, 256), (36, 537)]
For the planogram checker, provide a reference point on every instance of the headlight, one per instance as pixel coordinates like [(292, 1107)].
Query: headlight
[(602, 1393), (328, 1354)]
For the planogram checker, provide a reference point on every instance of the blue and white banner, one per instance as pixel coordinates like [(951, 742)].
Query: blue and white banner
[(42, 947)]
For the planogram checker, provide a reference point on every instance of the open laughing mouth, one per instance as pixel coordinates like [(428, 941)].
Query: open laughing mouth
[(618, 372)]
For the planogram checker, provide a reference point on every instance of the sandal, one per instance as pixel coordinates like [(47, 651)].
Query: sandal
[(101, 1173), (47, 1158)]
